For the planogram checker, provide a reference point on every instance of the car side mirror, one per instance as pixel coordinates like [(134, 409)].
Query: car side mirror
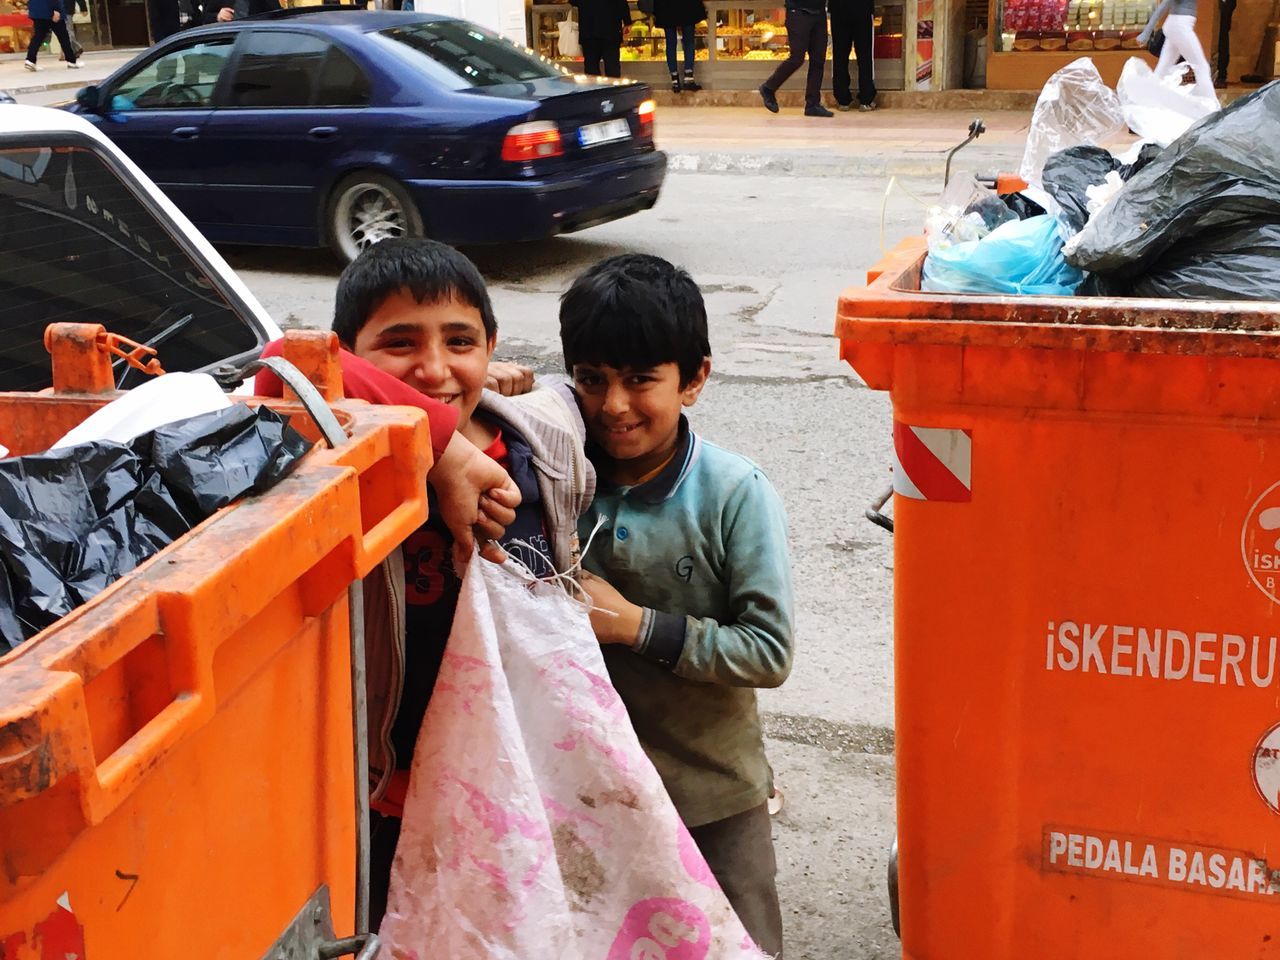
[(90, 98)]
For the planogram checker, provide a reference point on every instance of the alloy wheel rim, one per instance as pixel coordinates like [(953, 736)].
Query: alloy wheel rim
[(369, 213)]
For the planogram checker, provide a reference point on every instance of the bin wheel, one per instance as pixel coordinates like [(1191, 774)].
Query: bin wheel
[(367, 208)]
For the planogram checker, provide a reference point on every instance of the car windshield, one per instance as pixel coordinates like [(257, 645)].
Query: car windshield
[(462, 55), (78, 245)]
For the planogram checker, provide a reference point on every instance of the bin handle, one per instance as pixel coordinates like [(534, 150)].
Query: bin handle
[(333, 434)]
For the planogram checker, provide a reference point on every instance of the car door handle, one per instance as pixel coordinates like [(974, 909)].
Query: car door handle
[(185, 133), (322, 133)]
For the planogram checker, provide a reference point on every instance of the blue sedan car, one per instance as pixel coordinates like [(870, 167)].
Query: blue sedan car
[(344, 127)]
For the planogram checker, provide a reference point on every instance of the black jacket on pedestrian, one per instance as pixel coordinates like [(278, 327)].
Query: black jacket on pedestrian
[(602, 19), (242, 8), (678, 13)]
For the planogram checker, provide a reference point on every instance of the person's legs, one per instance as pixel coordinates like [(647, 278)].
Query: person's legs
[(40, 30), (1180, 31), (739, 851), (592, 51), (1226, 10), (673, 53), (797, 24), (612, 55), (817, 61), (841, 44), (1169, 54), (864, 45), (689, 40), (64, 41)]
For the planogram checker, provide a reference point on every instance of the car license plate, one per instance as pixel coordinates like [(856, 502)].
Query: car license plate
[(594, 134)]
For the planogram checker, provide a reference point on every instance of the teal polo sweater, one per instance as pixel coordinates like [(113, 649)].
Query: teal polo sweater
[(702, 546)]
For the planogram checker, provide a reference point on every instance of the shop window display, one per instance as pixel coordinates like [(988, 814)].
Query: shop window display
[(1071, 25)]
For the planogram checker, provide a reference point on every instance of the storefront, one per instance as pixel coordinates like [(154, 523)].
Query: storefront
[(738, 46), (96, 24), (1029, 40)]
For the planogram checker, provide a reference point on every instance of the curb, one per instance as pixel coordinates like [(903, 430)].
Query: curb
[(57, 85), (825, 165)]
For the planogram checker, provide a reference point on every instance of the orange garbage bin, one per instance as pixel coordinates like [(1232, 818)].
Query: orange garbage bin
[(177, 777), (1086, 619)]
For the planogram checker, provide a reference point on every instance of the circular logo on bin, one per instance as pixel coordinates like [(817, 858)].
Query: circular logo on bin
[(1266, 768), (1260, 543)]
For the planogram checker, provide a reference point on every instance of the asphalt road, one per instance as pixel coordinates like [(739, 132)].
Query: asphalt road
[(771, 256)]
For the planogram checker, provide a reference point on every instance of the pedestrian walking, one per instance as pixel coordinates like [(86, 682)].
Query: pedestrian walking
[(853, 28), (1180, 43), (1226, 10), (82, 7), (49, 16), (680, 17), (806, 35), (601, 26)]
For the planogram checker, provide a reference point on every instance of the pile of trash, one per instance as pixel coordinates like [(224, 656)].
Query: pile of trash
[(1192, 210), (110, 495)]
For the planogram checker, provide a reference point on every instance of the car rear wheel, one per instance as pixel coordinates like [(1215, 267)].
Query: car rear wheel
[(367, 208)]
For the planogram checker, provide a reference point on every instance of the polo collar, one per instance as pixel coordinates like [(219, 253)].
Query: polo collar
[(664, 486)]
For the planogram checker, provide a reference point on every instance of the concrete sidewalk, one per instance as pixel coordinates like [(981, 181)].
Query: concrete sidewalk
[(53, 74)]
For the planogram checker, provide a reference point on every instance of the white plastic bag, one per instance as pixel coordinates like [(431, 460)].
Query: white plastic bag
[(1160, 110), (535, 826), (1074, 107), (149, 406), (567, 39)]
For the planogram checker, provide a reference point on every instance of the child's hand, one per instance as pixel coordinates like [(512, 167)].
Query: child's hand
[(477, 498), (614, 618), (509, 379)]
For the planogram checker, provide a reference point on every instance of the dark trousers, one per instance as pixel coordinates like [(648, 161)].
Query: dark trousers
[(384, 834), (689, 39), (596, 51), (853, 28), (807, 34), (739, 851), (1226, 10), (40, 33)]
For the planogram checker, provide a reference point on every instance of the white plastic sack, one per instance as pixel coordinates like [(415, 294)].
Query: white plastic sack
[(1074, 107), (567, 39), (535, 826), (1156, 109), (149, 406)]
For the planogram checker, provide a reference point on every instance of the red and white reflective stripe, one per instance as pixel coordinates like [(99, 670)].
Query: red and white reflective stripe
[(932, 463)]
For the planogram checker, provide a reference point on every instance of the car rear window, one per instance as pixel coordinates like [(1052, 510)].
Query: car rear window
[(78, 245), (469, 56)]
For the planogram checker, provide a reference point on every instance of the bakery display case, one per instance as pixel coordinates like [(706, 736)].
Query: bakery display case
[(1030, 40), (737, 47)]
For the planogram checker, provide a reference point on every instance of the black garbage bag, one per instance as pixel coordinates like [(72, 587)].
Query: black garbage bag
[(1196, 220), (75, 520), (1024, 207), (1069, 173)]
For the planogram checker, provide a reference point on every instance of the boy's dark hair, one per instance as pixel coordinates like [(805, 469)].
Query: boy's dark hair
[(635, 311), (429, 270)]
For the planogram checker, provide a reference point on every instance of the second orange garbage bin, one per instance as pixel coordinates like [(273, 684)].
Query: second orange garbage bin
[(1086, 619)]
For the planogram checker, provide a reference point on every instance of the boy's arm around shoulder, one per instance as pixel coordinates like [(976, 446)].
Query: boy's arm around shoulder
[(755, 646)]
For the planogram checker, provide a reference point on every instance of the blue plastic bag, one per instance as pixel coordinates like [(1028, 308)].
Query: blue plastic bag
[(1022, 257)]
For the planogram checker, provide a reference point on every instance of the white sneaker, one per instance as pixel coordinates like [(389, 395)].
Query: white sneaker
[(30, 66), (74, 66)]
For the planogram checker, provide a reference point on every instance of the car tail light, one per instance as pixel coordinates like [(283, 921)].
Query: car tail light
[(532, 141), (646, 112)]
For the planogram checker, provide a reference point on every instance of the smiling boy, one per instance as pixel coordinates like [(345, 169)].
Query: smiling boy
[(419, 311), (690, 574)]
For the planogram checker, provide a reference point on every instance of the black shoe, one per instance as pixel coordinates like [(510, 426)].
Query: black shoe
[(769, 97), (690, 84), (675, 83), (817, 110)]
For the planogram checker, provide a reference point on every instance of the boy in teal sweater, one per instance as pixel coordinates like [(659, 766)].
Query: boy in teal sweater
[(690, 572)]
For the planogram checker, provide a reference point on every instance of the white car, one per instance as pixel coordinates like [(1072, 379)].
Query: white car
[(86, 237)]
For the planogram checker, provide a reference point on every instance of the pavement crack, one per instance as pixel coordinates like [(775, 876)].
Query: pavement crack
[(748, 313), (830, 735)]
